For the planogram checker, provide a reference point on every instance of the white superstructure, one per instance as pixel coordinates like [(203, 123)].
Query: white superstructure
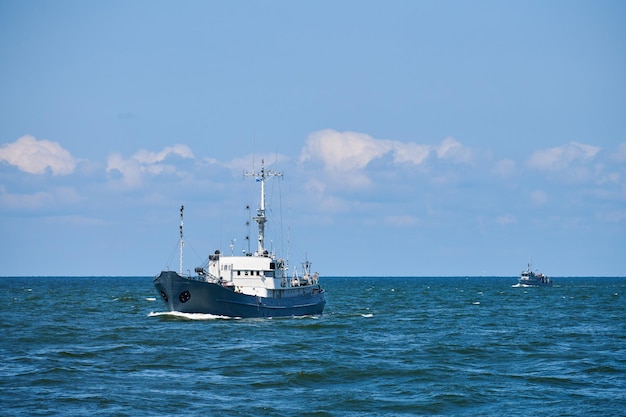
[(260, 273)]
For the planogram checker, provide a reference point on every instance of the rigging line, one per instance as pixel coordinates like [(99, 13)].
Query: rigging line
[(280, 198), (289, 224), (247, 202), (253, 149), (248, 226), (282, 229), (172, 254), (176, 248), (200, 258)]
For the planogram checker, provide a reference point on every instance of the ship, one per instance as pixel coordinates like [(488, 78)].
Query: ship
[(251, 285), (528, 278)]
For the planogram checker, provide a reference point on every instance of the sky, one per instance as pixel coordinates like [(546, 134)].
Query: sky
[(415, 138)]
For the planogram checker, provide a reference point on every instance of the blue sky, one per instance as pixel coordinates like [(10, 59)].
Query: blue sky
[(416, 138)]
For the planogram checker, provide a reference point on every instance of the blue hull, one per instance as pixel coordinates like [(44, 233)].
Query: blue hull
[(189, 295)]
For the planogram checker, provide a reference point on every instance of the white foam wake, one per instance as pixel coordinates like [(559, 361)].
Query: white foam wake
[(189, 316)]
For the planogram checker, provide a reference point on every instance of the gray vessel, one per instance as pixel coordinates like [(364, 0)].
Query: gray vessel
[(252, 285), (529, 278)]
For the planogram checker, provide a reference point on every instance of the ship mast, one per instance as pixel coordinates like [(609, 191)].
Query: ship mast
[(182, 243), (260, 218)]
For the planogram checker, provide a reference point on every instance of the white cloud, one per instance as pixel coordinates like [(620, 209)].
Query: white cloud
[(560, 157), (36, 156), (146, 157), (130, 169), (345, 151), (453, 150), (345, 155), (411, 152), (143, 161)]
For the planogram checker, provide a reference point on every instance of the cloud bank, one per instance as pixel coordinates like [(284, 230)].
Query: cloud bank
[(341, 172), (347, 151), (346, 155), (560, 157), (142, 162)]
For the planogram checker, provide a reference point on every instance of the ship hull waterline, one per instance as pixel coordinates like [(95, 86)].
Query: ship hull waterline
[(534, 283), (191, 295)]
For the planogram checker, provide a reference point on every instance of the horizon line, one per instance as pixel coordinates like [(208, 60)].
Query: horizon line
[(327, 276)]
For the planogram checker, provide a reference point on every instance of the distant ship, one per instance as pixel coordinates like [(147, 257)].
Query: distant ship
[(252, 285), (532, 279)]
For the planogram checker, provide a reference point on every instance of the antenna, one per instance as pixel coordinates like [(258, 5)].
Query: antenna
[(288, 229), (260, 218), (248, 226), (182, 243)]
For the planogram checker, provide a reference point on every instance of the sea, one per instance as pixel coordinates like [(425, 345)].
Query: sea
[(385, 346)]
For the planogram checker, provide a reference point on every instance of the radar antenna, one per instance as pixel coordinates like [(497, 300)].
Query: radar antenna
[(260, 218)]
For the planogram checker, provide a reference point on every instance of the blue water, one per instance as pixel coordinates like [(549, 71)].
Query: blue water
[(384, 347)]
